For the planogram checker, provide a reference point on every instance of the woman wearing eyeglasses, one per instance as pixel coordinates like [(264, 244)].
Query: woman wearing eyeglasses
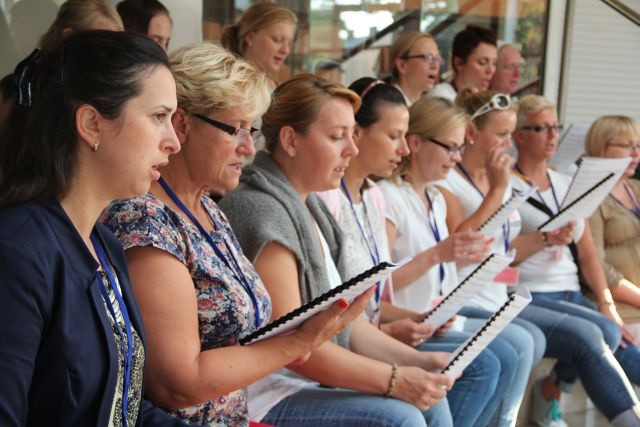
[(615, 224), (474, 189), (580, 337), (473, 62), (198, 293), (416, 61)]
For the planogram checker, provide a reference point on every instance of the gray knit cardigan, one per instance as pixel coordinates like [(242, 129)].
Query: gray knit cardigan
[(266, 208)]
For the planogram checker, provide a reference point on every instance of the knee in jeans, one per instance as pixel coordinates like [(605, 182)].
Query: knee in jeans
[(407, 417), (486, 364), (590, 334)]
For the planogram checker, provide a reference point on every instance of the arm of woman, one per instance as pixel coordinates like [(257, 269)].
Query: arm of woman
[(331, 364), (594, 275), (529, 244), (180, 374), (596, 222)]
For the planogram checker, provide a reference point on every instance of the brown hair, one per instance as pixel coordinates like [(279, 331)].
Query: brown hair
[(471, 101), (258, 16), (77, 15), (603, 130), (297, 103), (431, 117)]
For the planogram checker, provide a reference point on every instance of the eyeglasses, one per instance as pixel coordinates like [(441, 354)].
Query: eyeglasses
[(241, 134), (499, 101), (543, 128), (627, 146), (428, 58), (452, 150)]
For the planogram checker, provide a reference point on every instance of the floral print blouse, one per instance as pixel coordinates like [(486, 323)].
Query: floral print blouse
[(225, 309)]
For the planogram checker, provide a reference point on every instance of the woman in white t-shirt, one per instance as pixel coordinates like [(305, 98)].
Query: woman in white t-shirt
[(474, 190), (358, 206), (416, 224), (580, 337)]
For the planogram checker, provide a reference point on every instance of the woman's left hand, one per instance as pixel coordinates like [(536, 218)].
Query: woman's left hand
[(611, 312)]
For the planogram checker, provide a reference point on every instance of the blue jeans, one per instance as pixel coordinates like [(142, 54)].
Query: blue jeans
[(527, 345), (582, 340), (471, 393), (319, 406)]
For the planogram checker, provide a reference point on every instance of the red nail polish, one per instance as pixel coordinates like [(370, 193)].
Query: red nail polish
[(343, 303)]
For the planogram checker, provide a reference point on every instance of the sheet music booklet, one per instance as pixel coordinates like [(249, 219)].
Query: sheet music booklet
[(468, 288), (501, 216), (591, 183), (348, 290), (464, 355)]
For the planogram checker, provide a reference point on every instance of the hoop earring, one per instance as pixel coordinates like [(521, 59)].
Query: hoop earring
[(96, 146)]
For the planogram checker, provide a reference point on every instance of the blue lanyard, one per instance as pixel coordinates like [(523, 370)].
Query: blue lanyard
[(237, 272), (635, 210), (372, 247), (128, 351), (506, 227), (431, 220)]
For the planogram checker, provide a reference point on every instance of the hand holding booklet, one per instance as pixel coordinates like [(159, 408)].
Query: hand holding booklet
[(348, 291), (461, 294), (504, 212), (464, 355)]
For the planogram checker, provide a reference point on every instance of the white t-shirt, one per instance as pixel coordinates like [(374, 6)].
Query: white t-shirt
[(443, 90), (552, 269), (408, 213), (494, 294)]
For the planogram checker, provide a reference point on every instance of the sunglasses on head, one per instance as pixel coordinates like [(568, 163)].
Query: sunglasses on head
[(499, 101)]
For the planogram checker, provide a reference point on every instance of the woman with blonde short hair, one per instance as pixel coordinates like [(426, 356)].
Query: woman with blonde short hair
[(614, 225), (583, 336), (198, 293), (263, 35), (295, 245)]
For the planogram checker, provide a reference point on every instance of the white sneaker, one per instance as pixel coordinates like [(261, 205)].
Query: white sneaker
[(545, 413)]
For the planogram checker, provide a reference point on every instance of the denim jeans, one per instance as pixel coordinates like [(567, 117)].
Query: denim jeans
[(472, 392), (527, 343), (319, 406), (582, 340)]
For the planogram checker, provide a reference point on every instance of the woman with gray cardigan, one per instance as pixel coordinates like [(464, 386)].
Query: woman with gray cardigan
[(286, 231)]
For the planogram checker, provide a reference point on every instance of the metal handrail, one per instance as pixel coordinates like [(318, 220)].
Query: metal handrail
[(624, 10)]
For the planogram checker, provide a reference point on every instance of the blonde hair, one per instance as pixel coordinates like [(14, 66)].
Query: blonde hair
[(471, 101), (209, 78), (430, 117), (402, 46), (603, 130), (258, 16), (532, 104), (297, 103), (78, 15)]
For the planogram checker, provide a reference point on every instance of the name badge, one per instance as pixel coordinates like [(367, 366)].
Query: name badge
[(508, 276)]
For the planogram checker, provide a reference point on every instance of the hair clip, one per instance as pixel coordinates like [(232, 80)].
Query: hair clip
[(23, 76)]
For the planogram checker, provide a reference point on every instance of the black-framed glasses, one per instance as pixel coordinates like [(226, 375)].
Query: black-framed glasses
[(499, 101), (452, 150), (428, 58), (237, 132), (543, 128)]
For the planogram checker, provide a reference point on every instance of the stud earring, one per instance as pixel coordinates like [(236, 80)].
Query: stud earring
[(96, 146)]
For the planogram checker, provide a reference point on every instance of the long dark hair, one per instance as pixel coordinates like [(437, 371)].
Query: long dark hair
[(39, 141), (373, 93), (136, 14)]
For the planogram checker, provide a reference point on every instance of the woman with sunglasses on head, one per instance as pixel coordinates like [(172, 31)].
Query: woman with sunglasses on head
[(614, 225), (197, 292), (73, 345), (577, 335), (474, 56), (295, 244), (416, 61), (473, 190)]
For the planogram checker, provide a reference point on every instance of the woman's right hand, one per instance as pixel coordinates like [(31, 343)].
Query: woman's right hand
[(561, 236), (498, 167), (409, 331), (422, 388), (330, 322), (463, 248)]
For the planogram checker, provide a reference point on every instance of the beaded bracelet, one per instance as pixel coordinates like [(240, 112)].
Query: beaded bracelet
[(392, 380)]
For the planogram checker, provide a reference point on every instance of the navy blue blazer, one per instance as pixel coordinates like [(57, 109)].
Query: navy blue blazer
[(58, 360)]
